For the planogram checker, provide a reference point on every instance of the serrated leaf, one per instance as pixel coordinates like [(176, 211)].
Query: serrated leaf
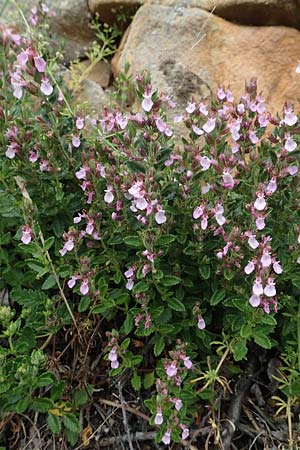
[(176, 304), (165, 240), (128, 324), (240, 349), (217, 297), (71, 423), (136, 382), (84, 304), (204, 271), (262, 341), (159, 346), (133, 241), (54, 423), (169, 280), (141, 286), (42, 404), (80, 398), (49, 282), (48, 243), (149, 380)]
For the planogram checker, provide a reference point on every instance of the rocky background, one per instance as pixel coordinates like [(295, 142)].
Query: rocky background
[(189, 46)]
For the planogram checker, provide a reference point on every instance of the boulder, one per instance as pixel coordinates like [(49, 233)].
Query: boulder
[(189, 52), (92, 97), (247, 12), (114, 11)]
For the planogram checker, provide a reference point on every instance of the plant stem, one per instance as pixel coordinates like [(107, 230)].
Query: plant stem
[(3, 7), (298, 333)]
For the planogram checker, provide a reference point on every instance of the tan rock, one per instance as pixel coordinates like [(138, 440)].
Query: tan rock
[(114, 11), (250, 12), (100, 73), (189, 52), (91, 97)]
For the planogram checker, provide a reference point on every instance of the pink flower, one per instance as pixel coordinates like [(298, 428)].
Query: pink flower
[(178, 404), (198, 211), (11, 150), (277, 267), (271, 187), (33, 156), (187, 363), (76, 141), (81, 173), (46, 87), (290, 145), (201, 323), (297, 70), (130, 284), (114, 364), (253, 138), (292, 170), (166, 439), (185, 432), (158, 420), (68, 247), (27, 234), (270, 290), (171, 369), (252, 241), (22, 58), (290, 118), (40, 64), (205, 162), (109, 196), (84, 288), (260, 223), (227, 180), (260, 202), (79, 123), (266, 260), (72, 281), (204, 222), (191, 107), (197, 130), (257, 287), (209, 126), (220, 93), (147, 103), (254, 301), (160, 217), (249, 267), (220, 218), (113, 358)]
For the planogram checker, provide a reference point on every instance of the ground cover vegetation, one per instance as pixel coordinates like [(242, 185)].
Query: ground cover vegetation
[(136, 264)]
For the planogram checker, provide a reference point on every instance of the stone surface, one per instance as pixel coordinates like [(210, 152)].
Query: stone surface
[(71, 22), (114, 11), (189, 52), (250, 12), (100, 73), (92, 96)]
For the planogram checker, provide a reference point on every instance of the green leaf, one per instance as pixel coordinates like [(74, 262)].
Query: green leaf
[(49, 282), (159, 345), (128, 324), (57, 390), (217, 297), (204, 271), (133, 241), (149, 380), (263, 341), (44, 380), (80, 398), (48, 243), (268, 320), (240, 349), (71, 423), (165, 240), (176, 304), (141, 286), (84, 304), (170, 280), (54, 423), (42, 404), (136, 382), (22, 405)]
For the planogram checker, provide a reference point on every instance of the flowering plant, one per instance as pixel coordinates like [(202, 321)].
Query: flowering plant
[(114, 223)]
